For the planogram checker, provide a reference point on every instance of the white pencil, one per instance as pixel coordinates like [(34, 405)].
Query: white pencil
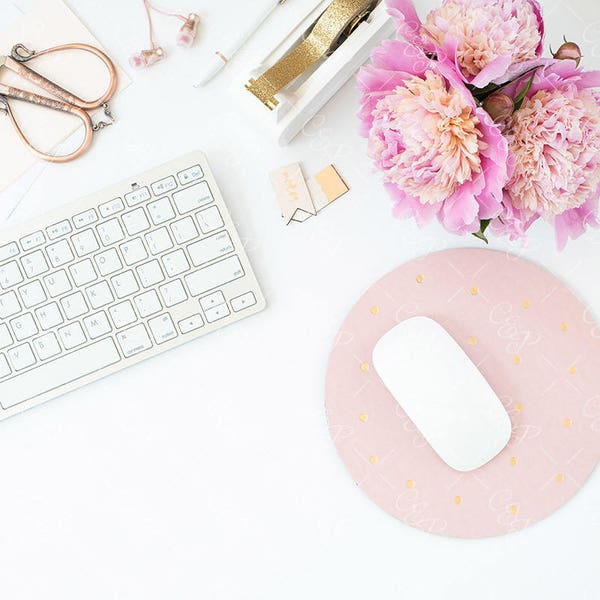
[(221, 57)]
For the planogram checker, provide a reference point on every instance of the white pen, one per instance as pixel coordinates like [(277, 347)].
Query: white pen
[(221, 57)]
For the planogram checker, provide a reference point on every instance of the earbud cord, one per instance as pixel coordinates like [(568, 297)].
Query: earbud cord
[(150, 7)]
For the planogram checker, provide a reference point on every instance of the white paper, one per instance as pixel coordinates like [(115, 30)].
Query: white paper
[(9, 14)]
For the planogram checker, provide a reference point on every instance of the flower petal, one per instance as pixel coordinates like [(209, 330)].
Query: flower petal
[(406, 206), (573, 223), (408, 24), (397, 55), (491, 71), (512, 222), (537, 9), (460, 212)]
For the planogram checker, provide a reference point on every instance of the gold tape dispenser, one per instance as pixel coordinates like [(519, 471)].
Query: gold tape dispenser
[(311, 62)]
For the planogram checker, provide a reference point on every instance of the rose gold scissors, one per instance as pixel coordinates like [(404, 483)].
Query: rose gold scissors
[(62, 100)]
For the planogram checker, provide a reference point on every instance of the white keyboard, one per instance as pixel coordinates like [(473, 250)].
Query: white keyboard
[(116, 278)]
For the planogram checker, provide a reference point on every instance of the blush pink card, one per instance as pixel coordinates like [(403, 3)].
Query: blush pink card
[(539, 349)]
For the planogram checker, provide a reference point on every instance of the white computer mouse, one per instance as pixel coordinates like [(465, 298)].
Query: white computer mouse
[(442, 392)]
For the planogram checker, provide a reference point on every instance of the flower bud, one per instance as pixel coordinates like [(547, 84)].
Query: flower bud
[(569, 50), (499, 106)]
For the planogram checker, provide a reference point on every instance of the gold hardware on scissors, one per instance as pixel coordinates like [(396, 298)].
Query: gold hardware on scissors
[(334, 25), (61, 100)]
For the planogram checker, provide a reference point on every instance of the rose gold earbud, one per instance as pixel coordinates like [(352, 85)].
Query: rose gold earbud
[(146, 58), (188, 31)]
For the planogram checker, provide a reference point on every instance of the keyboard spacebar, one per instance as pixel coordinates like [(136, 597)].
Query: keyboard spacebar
[(58, 372)]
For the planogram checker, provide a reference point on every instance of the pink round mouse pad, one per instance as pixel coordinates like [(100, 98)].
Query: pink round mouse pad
[(539, 349)]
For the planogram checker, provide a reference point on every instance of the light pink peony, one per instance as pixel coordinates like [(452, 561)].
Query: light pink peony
[(483, 40), (439, 152), (554, 142)]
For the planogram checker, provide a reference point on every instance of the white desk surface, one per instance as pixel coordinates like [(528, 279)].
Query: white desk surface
[(208, 472)]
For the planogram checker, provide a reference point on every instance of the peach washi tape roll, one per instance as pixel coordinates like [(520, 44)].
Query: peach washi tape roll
[(537, 346)]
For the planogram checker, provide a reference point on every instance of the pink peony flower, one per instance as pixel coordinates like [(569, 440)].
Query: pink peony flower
[(554, 141), (439, 152), (483, 40)]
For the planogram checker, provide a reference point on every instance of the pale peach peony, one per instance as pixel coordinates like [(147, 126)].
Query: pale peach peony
[(441, 155), (484, 41), (440, 139), (485, 31), (555, 141)]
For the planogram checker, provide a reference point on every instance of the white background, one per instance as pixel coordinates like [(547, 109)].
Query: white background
[(208, 472)]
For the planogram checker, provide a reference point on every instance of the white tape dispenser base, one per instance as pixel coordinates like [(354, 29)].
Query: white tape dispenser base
[(301, 100)]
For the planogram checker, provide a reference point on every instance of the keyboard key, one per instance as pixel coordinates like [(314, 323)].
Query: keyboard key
[(214, 276), (133, 252), (209, 219), (108, 262), (150, 273), (29, 242), (148, 304), (161, 211), (190, 323), (134, 340), (4, 367), (46, 346), (97, 325), (60, 254), (164, 186), (122, 314), (8, 251), (49, 316), (216, 313), (9, 305), (110, 232), (212, 300), (215, 246), (125, 284), (58, 372), (108, 209), (23, 327), (72, 336), (136, 221), (162, 329), (192, 174), (99, 295), (85, 218), (74, 305), (32, 294), (192, 198), (5, 337), (184, 230), (244, 301), (57, 283), (158, 241), (175, 263), (58, 230), (20, 358), (137, 196), (85, 242), (34, 264), (83, 272), (10, 275), (173, 293)]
